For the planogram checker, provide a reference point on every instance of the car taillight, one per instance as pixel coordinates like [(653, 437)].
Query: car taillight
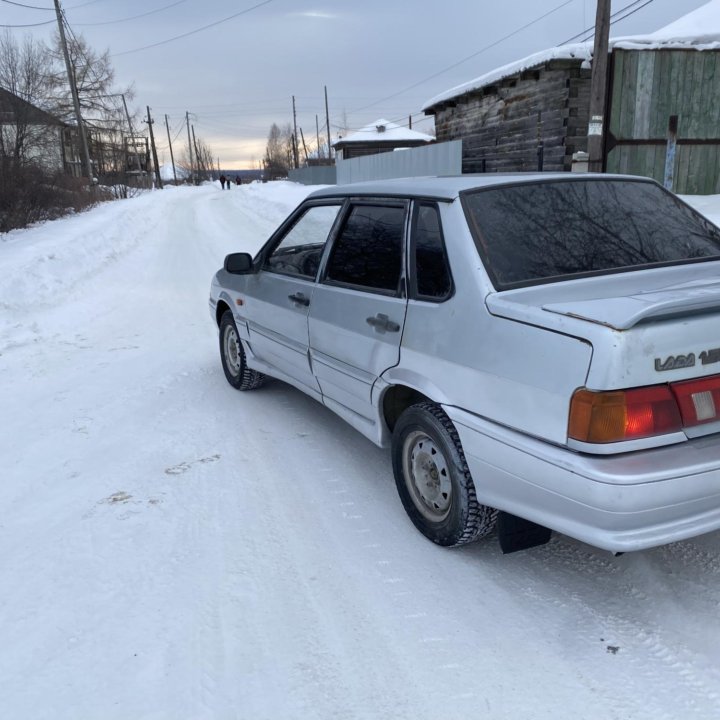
[(604, 417), (699, 400)]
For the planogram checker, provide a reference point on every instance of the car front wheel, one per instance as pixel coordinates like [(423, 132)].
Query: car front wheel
[(433, 478), (232, 354)]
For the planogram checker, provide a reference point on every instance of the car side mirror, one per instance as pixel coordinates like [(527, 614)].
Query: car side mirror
[(238, 263)]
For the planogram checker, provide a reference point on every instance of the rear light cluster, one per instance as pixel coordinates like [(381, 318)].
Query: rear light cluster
[(603, 417)]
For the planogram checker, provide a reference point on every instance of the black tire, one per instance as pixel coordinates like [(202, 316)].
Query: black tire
[(232, 354), (433, 479)]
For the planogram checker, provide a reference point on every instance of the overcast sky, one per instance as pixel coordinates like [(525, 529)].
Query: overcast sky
[(378, 58)]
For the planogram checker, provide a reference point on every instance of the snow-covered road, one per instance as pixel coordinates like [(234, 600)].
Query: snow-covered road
[(173, 549)]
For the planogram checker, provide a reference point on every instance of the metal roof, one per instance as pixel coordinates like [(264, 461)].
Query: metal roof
[(448, 188)]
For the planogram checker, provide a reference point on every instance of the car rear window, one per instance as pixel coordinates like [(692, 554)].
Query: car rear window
[(541, 232)]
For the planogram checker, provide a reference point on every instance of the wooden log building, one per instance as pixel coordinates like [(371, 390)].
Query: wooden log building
[(533, 114)]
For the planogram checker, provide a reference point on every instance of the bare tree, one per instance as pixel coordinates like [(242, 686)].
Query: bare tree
[(205, 160), (27, 134), (278, 151), (36, 129), (100, 99), (101, 102)]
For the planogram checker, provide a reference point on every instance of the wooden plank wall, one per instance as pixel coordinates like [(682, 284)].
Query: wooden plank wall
[(501, 125), (648, 87)]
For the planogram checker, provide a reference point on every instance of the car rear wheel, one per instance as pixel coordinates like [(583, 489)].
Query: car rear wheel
[(433, 478), (232, 354)]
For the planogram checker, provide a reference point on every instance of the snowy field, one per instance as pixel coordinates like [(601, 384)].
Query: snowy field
[(173, 549)]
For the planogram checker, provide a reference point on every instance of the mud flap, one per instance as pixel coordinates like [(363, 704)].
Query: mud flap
[(516, 534)]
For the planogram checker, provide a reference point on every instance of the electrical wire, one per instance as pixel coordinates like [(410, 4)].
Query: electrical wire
[(134, 17), (469, 57), (88, 63), (613, 19), (46, 22), (618, 16), (197, 30), (82, 5), (29, 7)]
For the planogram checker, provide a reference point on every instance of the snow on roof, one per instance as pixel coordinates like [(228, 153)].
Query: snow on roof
[(582, 51), (698, 30), (384, 131)]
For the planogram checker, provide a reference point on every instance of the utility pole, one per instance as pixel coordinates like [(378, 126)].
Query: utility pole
[(197, 154), (172, 157), (150, 122), (132, 136), (190, 152), (317, 133), (327, 119), (598, 86), (409, 122), (76, 100), (295, 152), (302, 137)]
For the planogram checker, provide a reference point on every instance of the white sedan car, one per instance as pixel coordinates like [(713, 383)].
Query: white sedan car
[(540, 352)]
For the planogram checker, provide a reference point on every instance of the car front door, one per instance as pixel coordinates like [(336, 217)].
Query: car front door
[(279, 296), (358, 309)]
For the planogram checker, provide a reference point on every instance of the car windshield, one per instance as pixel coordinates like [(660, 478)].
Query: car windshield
[(546, 231)]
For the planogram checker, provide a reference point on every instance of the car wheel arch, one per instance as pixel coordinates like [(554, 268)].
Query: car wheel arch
[(398, 398), (220, 310)]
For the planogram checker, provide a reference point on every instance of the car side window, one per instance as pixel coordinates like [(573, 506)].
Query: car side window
[(300, 249), (432, 270), (368, 250)]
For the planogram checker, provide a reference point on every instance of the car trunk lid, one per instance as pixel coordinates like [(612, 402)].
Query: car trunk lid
[(646, 328)]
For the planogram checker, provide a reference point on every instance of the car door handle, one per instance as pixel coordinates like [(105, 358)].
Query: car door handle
[(300, 299), (382, 322)]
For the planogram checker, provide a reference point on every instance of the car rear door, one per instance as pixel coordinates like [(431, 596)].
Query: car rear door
[(279, 296), (358, 308)]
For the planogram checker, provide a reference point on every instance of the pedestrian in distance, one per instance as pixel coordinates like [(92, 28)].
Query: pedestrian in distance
[(238, 181), (222, 181)]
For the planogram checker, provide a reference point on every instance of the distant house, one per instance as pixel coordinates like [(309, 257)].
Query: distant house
[(533, 114), (379, 137), (31, 135)]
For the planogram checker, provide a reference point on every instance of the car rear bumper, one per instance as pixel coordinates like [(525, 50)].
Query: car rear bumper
[(616, 502)]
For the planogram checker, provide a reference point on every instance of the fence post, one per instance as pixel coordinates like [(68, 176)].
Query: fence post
[(670, 152), (540, 144)]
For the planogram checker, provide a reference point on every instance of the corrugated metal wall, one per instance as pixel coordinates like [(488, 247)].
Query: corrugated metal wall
[(650, 86), (318, 175), (438, 159)]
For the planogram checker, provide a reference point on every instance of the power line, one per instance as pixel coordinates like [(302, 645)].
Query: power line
[(469, 57), (615, 17), (197, 30), (80, 49), (134, 17), (30, 7), (91, 2), (620, 15), (47, 22)]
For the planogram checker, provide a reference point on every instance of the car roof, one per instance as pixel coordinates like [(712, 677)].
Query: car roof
[(448, 188)]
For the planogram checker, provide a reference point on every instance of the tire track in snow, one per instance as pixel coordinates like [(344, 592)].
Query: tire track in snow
[(616, 608)]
